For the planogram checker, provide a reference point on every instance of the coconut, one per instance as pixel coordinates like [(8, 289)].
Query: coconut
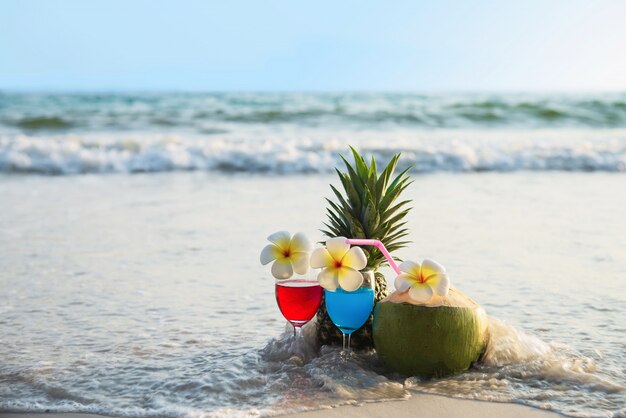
[(443, 337)]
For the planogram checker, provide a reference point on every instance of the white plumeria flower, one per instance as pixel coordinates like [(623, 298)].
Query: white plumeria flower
[(341, 265), (289, 254), (423, 280)]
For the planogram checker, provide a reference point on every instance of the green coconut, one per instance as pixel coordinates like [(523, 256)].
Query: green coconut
[(444, 337)]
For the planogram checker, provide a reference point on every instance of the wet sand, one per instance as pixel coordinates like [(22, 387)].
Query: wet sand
[(122, 280), (419, 405), (430, 406)]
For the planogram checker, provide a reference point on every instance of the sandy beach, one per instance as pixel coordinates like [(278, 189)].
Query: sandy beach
[(419, 405)]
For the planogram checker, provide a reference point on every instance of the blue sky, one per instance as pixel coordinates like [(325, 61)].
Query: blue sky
[(529, 45)]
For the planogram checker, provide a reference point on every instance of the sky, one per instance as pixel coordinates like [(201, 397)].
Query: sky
[(233, 45)]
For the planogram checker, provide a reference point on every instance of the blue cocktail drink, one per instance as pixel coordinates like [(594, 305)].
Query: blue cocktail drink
[(349, 310)]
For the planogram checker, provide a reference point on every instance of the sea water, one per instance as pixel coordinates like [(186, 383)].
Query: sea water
[(302, 133), (349, 310), (131, 225)]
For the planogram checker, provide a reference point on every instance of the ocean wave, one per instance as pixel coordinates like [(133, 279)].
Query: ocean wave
[(504, 152), (201, 111), (43, 122)]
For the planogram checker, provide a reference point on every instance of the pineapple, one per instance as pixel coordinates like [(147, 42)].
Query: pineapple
[(367, 208)]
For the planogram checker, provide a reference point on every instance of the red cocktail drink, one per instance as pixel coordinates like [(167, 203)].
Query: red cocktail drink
[(298, 300)]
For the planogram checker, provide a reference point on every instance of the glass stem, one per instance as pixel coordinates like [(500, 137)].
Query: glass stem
[(297, 339), (346, 343)]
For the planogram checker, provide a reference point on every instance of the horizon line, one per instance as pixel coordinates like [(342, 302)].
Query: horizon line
[(426, 92)]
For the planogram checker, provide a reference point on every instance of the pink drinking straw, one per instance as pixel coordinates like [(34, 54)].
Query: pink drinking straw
[(376, 243)]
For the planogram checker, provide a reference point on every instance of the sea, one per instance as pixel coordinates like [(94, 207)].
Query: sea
[(131, 226)]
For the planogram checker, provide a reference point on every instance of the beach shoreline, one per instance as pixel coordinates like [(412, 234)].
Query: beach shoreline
[(418, 405)]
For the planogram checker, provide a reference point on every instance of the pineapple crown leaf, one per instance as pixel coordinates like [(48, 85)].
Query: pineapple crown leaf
[(367, 207)]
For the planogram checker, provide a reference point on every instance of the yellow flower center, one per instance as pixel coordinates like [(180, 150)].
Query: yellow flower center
[(287, 253), (338, 264)]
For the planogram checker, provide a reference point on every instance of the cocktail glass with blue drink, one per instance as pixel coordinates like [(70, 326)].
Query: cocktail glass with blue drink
[(350, 310)]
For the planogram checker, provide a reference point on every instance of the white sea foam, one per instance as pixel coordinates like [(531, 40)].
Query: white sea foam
[(514, 357), (535, 358), (450, 151)]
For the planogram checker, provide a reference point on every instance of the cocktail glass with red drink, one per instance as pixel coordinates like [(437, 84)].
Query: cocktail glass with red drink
[(298, 299)]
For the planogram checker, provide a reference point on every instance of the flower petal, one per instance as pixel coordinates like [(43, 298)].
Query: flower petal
[(349, 279), (300, 243), (282, 269), (421, 292), (412, 268), (430, 268), (269, 253), (337, 247), (354, 258), (281, 239), (403, 282), (321, 258), (440, 283), (328, 279), (300, 262)]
